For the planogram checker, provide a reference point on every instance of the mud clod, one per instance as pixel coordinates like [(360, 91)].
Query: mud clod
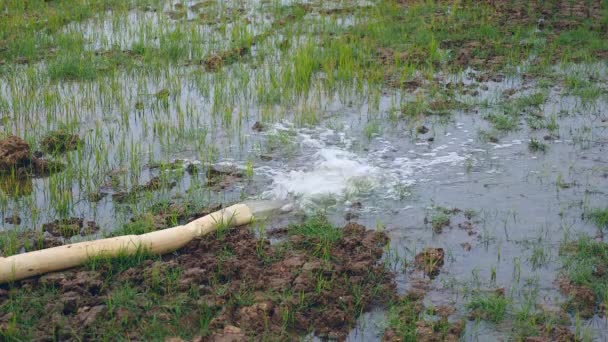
[(59, 142), (408, 323), (16, 220), (258, 127), (224, 175), (215, 62), (229, 334), (422, 129), (88, 315), (581, 298), (16, 159), (430, 261), (14, 153)]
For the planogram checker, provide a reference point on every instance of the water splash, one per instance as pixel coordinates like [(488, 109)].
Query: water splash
[(326, 165), (333, 171)]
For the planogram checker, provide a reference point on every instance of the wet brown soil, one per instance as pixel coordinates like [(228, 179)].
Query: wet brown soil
[(581, 299), (430, 261), (222, 177), (245, 287), (18, 161)]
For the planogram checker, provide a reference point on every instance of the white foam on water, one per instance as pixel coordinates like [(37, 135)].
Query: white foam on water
[(513, 143), (333, 172), (327, 166)]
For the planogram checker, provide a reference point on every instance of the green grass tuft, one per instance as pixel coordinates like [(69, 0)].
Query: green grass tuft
[(491, 307), (319, 234), (599, 217)]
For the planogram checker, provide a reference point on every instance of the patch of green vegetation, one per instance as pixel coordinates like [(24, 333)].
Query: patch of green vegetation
[(15, 241), (439, 221), (488, 306), (124, 310), (578, 85), (599, 217), (539, 256), (584, 276), (529, 322), (141, 224), (535, 145), (582, 42), (585, 263), (10, 242), (503, 122), (470, 214), (281, 141), (72, 67), (320, 234), (27, 28), (111, 265), (372, 129), (440, 218), (531, 100), (407, 321), (60, 141), (402, 318), (27, 307), (441, 104), (414, 108)]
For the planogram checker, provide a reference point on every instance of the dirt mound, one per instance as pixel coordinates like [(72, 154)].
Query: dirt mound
[(430, 260), (17, 159), (60, 141), (215, 62), (14, 153), (325, 286)]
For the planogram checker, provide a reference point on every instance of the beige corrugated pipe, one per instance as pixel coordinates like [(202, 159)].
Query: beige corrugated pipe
[(30, 264)]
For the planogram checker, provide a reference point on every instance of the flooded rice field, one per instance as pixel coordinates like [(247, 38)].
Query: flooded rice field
[(444, 167)]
